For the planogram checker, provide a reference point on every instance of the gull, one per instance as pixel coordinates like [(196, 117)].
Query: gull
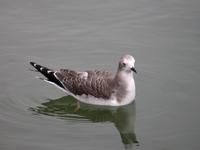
[(96, 87)]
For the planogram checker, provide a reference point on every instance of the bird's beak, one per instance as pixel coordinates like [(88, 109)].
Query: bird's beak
[(133, 69)]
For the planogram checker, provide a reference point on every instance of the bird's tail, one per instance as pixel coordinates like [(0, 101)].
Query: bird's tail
[(48, 73)]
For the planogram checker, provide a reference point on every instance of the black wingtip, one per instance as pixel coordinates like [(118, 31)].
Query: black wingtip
[(32, 63), (48, 73), (38, 68)]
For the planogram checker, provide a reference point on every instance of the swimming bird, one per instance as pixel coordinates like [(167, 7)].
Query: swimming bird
[(97, 87)]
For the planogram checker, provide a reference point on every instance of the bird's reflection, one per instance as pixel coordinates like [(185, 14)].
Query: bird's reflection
[(122, 117)]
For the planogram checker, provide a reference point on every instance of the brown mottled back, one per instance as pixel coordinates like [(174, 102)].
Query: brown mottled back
[(96, 83)]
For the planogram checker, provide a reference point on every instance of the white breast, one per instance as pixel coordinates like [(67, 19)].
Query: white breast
[(130, 90)]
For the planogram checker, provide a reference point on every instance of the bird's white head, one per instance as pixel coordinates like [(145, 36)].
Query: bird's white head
[(127, 63)]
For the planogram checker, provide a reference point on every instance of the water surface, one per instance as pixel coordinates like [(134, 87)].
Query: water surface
[(164, 38)]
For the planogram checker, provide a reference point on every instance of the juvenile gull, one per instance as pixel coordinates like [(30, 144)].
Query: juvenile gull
[(95, 86)]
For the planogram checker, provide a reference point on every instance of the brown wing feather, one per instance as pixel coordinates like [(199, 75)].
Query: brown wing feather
[(97, 83)]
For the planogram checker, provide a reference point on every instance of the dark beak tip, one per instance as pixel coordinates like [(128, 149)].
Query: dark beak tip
[(134, 70)]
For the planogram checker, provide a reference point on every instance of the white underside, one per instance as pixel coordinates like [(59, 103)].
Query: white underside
[(89, 99)]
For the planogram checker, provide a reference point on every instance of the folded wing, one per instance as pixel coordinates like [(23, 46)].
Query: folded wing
[(96, 83)]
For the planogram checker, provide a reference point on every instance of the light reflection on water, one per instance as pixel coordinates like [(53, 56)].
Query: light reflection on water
[(123, 118)]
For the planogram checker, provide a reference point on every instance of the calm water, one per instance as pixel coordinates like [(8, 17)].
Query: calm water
[(164, 37)]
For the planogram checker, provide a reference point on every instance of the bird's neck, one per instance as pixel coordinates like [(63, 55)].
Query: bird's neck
[(123, 77), (124, 85), (124, 81)]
